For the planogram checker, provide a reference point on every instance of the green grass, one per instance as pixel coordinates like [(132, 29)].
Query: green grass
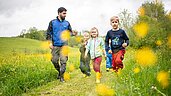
[(30, 73)]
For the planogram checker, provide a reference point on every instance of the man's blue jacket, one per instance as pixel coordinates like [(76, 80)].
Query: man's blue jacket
[(55, 28)]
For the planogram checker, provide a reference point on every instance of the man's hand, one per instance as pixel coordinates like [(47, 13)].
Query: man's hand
[(124, 45)]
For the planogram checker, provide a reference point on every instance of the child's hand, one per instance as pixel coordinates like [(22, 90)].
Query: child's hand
[(124, 45), (110, 51)]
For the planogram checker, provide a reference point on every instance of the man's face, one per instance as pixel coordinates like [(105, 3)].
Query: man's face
[(114, 24), (62, 15)]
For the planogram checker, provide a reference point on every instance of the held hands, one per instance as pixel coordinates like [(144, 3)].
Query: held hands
[(124, 45)]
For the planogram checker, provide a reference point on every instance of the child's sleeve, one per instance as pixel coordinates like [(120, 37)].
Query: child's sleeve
[(88, 45), (107, 42), (126, 38)]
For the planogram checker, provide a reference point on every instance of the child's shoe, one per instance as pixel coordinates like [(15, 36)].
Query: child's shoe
[(98, 76), (107, 69)]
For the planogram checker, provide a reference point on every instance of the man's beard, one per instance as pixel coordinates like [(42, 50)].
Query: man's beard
[(63, 18)]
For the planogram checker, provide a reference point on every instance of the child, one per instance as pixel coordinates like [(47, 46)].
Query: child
[(108, 58), (95, 45), (119, 41), (85, 62)]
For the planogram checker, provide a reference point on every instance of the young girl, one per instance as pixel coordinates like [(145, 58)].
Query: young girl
[(96, 46), (85, 62)]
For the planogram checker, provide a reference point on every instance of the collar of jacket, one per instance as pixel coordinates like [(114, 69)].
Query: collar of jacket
[(59, 20)]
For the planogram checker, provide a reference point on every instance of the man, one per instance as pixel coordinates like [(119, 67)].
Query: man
[(55, 29)]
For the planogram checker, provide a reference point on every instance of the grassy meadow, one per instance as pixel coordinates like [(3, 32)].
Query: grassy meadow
[(25, 69)]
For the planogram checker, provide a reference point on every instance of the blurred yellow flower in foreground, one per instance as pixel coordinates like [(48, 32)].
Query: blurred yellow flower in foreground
[(145, 57), (78, 39), (158, 42), (169, 40), (65, 50), (71, 68), (141, 11), (141, 29), (163, 78), (103, 90), (136, 70), (66, 76), (48, 56), (65, 35), (45, 45)]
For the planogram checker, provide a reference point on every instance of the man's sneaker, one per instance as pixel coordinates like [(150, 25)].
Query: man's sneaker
[(62, 79)]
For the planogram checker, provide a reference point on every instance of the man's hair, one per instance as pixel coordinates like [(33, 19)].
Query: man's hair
[(61, 9), (114, 18)]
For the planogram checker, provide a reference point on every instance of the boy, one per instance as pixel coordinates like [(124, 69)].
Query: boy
[(119, 41), (85, 62)]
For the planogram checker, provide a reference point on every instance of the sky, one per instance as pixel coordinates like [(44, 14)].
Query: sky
[(16, 15)]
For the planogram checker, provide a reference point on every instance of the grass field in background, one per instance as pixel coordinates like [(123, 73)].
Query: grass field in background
[(25, 69)]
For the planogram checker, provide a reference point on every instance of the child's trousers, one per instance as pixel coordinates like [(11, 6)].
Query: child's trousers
[(96, 63), (117, 60)]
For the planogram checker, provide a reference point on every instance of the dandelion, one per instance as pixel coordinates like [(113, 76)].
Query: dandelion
[(169, 41), (66, 76), (65, 35), (136, 70), (65, 50), (141, 11), (158, 42), (78, 39), (48, 56), (145, 57), (71, 68), (163, 78), (45, 45), (141, 29), (103, 90)]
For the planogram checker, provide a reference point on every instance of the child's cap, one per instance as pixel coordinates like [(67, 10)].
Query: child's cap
[(115, 18)]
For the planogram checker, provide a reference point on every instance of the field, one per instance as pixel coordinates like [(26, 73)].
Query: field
[(25, 69)]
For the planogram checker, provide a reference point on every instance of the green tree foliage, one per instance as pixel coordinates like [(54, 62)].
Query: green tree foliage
[(33, 33), (158, 25)]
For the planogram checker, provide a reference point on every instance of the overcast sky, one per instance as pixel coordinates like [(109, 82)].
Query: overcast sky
[(16, 15)]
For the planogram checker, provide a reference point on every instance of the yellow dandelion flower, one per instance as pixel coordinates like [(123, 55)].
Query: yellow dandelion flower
[(158, 42), (45, 45), (78, 39), (141, 29), (48, 56), (65, 50), (71, 68), (141, 11), (103, 90), (66, 76), (169, 41), (136, 70), (163, 78), (65, 35), (145, 57)]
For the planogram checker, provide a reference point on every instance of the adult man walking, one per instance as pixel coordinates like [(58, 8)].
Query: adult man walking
[(54, 32)]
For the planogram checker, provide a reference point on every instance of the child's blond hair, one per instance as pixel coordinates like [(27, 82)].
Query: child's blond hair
[(115, 18), (94, 28)]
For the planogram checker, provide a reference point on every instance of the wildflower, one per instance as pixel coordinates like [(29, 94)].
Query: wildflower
[(103, 90), (141, 29), (65, 35), (141, 11), (169, 41), (65, 50), (158, 43), (136, 70), (71, 68), (163, 78), (66, 76), (145, 57)]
